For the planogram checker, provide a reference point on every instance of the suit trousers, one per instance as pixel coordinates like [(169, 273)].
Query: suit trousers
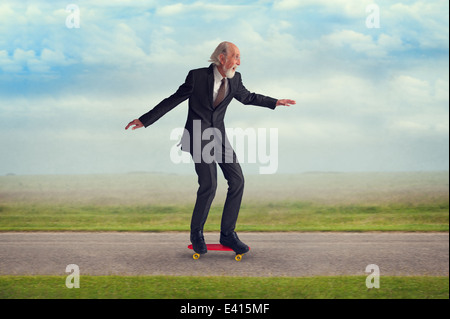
[(207, 180)]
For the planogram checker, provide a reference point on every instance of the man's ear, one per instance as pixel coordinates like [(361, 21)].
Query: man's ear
[(222, 59)]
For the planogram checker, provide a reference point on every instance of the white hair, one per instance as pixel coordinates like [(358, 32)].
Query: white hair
[(222, 48)]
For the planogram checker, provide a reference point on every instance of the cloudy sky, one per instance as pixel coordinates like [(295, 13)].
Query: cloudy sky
[(368, 99)]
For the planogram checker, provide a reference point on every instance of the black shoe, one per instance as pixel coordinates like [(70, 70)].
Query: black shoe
[(198, 242), (232, 241)]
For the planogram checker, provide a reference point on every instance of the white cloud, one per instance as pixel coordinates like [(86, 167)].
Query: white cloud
[(6, 12), (54, 58), (351, 8), (442, 90), (172, 9), (29, 61), (365, 44), (7, 64), (410, 92), (178, 8), (424, 22)]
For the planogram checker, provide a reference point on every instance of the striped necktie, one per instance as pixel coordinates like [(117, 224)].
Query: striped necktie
[(220, 94)]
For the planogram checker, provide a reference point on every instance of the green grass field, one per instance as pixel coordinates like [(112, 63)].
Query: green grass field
[(174, 287), (154, 202), (281, 216)]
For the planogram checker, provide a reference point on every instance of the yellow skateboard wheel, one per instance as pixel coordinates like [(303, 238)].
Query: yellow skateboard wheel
[(196, 256), (238, 257)]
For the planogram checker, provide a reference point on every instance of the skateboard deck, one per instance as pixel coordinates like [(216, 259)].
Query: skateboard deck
[(218, 247)]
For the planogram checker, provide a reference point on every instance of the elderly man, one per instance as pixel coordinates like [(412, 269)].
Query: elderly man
[(209, 91)]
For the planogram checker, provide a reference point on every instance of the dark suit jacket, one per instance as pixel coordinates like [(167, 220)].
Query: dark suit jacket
[(198, 88)]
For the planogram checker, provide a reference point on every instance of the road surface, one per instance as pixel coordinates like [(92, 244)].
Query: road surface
[(271, 254)]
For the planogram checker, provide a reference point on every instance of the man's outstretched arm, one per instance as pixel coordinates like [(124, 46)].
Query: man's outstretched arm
[(182, 94), (244, 96)]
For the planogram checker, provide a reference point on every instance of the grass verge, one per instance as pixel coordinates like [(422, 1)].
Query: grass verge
[(174, 287), (273, 216)]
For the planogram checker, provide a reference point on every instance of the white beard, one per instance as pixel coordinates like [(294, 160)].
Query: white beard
[(231, 72)]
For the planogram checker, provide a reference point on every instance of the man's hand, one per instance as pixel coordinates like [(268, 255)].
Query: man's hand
[(136, 123), (285, 102)]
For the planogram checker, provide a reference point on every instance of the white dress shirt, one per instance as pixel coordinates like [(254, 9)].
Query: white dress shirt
[(217, 82)]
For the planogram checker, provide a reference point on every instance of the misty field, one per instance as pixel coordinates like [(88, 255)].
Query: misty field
[(162, 202)]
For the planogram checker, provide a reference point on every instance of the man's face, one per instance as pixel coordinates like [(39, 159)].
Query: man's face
[(231, 62)]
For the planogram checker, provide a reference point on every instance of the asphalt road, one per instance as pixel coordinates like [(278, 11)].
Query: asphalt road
[(271, 254)]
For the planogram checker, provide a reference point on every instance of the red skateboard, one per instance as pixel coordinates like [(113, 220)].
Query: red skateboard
[(217, 247)]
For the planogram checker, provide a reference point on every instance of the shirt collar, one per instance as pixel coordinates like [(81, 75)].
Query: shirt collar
[(217, 76)]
